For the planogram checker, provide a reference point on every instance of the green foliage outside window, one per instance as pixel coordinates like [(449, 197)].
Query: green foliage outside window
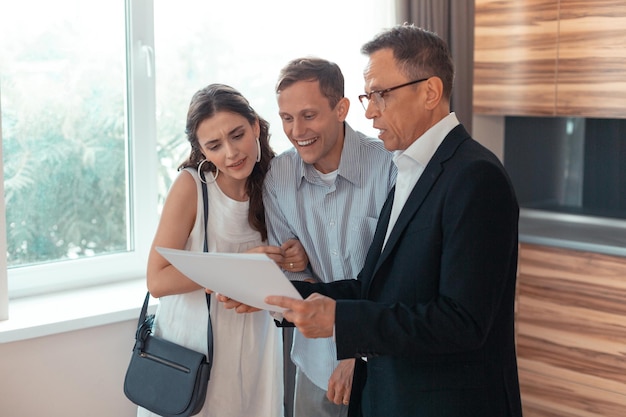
[(64, 141)]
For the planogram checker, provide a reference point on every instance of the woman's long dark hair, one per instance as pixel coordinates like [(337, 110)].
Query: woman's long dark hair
[(205, 104)]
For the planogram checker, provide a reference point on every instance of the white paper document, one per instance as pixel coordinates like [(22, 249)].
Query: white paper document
[(245, 277)]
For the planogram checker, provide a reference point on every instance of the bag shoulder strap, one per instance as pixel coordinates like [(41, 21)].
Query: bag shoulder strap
[(205, 199), (144, 308)]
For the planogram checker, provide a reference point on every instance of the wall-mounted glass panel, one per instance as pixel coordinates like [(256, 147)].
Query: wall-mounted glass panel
[(568, 165)]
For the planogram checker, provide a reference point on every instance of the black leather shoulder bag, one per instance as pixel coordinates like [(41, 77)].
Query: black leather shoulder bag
[(163, 377)]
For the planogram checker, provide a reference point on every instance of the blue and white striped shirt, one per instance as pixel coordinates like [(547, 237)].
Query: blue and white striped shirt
[(335, 224)]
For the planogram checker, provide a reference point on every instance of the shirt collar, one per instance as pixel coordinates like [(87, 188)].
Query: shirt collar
[(349, 164), (424, 147)]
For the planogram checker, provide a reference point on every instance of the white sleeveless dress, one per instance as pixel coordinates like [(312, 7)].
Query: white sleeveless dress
[(247, 373)]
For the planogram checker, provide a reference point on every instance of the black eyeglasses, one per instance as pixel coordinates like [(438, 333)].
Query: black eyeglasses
[(379, 95)]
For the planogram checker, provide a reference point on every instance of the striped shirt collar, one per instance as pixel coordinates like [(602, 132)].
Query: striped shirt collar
[(349, 164)]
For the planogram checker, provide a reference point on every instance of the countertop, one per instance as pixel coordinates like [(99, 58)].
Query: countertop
[(584, 233)]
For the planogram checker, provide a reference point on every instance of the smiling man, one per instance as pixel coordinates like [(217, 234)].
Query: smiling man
[(327, 192)]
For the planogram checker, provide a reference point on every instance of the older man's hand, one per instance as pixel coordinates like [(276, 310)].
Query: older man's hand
[(314, 317)]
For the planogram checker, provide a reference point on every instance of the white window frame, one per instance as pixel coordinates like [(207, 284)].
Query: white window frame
[(4, 288)]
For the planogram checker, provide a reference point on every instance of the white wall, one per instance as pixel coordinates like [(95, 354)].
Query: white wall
[(73, 374)]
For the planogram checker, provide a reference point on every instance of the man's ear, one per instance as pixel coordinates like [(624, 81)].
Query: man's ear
[(434, 92), (342, 108)]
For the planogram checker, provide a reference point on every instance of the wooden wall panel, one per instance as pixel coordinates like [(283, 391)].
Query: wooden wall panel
[(571, 332), (515, 57), (545, 396), (592, 58)]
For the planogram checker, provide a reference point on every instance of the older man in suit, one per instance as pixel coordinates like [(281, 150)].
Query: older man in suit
[(431, 315)]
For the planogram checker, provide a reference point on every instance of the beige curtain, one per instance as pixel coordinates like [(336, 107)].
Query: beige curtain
[(452, 20)]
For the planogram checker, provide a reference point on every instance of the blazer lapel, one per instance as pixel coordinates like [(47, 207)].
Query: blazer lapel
[(376, 246), (426, 181), (383, 222)]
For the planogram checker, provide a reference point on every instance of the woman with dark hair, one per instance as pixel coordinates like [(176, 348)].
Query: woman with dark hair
[(230, 152)]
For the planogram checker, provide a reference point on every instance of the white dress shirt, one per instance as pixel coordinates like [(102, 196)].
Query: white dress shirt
[(412, 161)]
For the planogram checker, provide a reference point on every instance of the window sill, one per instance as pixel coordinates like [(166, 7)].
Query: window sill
[(76, 309)]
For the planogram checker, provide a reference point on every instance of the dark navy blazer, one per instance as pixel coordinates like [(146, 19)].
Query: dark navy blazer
[(433, 312)]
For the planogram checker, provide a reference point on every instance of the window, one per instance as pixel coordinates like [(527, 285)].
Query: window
[(68, 145), (94, 98)]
